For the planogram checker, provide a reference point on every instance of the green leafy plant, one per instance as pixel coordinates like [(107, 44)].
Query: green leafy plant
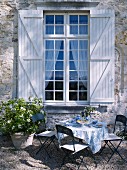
[(87, 111), (16, 115)]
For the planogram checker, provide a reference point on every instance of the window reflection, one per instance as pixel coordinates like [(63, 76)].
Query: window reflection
[(58, 95), (73, 75), (83, 19), (73, 96), (58, 85), (59, 19), (59, 55), (49, 95), (83, 85), (59, 65), (72, 65), (50, 85), (58, 75), (82, 95), (73, 19), (73, 85), (49, 19)]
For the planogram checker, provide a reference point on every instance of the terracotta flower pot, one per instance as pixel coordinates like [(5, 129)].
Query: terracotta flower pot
[(21, 141)]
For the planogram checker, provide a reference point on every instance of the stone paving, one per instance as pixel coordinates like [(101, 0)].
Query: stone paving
[(11, 159)]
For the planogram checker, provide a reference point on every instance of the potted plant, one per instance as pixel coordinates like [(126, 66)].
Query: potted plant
[(87, 112), (16, 119)]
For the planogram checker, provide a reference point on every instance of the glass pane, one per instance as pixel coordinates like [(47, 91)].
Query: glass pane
[(83, 44), (83, 55), (82, 95), (59, 65), (73, 85), (49, 55), (83, 29), (83, 85), (49, 75), (73, 55), (59, 19), (73, 75), (58, 85), (49, 19), (73, 29), (49, 29), (49, 95), (83, 65), (72, 95), (59, 55), (59, 30), (49, 44), (59, 75), (49, 65), (73, 19), (58, 95), (73, 44), (83, 19), (59, 44), (72, 65), (49, 86), (83, 75)]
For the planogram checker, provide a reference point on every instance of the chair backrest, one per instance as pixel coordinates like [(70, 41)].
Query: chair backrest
[(122, 119), (64, 130), (38, 117)]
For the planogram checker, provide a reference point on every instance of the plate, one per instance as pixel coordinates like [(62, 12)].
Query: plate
[(98, 125), (81, 122)]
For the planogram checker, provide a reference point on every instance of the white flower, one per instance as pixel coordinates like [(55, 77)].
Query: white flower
[(22, 108)]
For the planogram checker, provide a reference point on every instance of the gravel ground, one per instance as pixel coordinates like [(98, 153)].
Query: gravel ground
[(26, 159)]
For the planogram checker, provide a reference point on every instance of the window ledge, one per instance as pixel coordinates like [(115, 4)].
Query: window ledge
[(63, 109)]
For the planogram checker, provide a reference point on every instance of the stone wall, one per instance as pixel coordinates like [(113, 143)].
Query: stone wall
[(9, 50)]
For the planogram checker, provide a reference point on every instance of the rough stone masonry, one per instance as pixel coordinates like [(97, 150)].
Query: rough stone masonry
[(9, 49)]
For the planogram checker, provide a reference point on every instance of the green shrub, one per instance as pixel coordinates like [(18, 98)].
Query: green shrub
[(16, 115)]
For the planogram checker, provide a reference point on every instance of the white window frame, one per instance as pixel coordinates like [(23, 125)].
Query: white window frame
[(66, 37)]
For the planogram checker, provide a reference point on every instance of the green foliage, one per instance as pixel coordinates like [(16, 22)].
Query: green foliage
[(16, 114), (87, 110)]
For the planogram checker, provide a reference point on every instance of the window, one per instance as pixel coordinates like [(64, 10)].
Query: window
[(66, 49), (66, 58)]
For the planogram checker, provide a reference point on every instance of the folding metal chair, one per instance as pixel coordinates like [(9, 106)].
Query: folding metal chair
[(72, 147), (119, 126), (46, 137)]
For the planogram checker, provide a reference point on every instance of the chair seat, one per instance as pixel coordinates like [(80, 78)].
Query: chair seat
[(78, 146), (112, 137), (46, 134)]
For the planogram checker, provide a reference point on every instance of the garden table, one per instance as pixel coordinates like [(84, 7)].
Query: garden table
[(93, 134)]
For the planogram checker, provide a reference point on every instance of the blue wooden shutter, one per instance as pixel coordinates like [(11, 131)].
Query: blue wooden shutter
[(30, 34), (101, 56)]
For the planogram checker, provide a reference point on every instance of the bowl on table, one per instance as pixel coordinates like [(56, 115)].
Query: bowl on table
[(94, 122)]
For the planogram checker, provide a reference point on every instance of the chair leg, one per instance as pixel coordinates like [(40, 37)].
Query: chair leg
[(103, 147), (54, 142), (43, 146), (115, 150), (84, 163)]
